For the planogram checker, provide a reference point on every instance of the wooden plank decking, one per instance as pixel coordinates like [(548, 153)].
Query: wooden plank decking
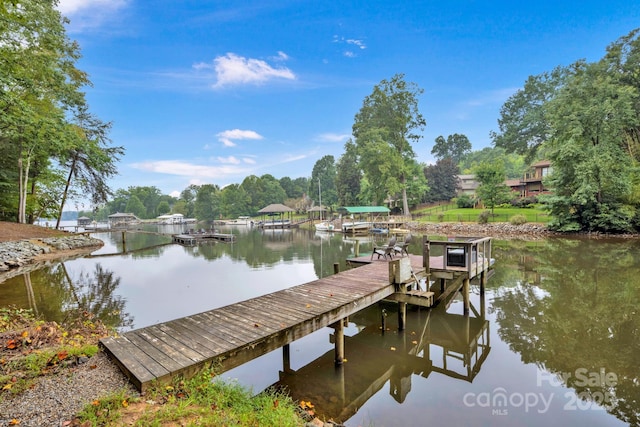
[(237, 333)]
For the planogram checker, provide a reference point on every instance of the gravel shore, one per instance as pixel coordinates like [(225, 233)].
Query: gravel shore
[(55, 400)]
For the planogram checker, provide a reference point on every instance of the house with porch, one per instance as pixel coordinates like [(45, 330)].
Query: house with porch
[(531, 184)]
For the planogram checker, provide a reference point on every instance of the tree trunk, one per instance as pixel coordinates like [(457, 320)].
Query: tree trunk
[(66, 189), (405, 202)]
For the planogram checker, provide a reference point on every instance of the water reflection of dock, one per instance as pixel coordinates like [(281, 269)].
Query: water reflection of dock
[(443, 343), (240, 332)]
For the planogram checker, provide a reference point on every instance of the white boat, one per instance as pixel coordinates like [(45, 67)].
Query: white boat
[(356, 227), (324, 226), (241, 220), (171, 219)]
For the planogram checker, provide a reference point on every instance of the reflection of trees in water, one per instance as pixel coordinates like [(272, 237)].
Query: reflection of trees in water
[(94, 292), (582, 315)]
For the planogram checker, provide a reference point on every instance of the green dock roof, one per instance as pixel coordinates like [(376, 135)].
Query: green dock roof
[(364, 209)]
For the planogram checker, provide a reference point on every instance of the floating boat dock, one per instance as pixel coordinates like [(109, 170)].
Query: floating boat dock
[(232, 335), (192, 239)]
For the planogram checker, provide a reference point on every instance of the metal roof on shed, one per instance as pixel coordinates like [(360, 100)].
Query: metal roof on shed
[(364, 209)]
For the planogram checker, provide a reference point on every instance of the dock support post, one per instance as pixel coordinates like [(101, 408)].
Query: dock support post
[(286, 358), (465, 295), (336, 268), (443, 284), (357, 249), (124, 241), (426, 251), (483, 281), (402, 315), (339, 344), (383, 320)]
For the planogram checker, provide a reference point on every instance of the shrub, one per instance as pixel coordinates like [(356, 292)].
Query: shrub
[(464, 202), (483, 218), (524, 202), (518, 220)]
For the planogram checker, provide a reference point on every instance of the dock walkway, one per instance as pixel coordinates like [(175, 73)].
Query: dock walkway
[(237, 333)]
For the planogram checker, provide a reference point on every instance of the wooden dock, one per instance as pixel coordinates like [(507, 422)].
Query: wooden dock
[(237, 333), (232, 335), (194, 238)]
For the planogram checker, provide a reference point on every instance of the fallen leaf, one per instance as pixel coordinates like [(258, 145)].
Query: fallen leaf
[(12, 344), (276, 403), (14, 422), (125, 403), (256, 325), (7, 386), (25, 334), (62, 355), (95, 403), (308, 305)]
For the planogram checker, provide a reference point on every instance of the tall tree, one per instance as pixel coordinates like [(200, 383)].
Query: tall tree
[(39, 82), (443, 180), (455, 147), (207, 204), (586, 119), (592, 171), (384, 129), (492, 189), (348, 176), (89, 159), (323, 181)]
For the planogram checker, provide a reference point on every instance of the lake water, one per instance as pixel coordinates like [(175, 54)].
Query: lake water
[(555, 340)]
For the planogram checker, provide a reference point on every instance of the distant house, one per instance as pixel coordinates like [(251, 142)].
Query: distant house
[(467, 185), (120, 219), (83, 220), (531, 183)]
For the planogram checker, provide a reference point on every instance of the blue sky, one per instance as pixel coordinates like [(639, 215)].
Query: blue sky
[(213, 91)]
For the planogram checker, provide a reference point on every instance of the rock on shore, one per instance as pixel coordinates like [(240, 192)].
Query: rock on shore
[(18, 253), (494, 229)]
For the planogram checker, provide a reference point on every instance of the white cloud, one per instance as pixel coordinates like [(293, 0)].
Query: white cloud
[(333, 137), (197, 172), (249, 161), (289, 158), (232, 69), (355, 42), (358, 43), (227, 136), (229, 160), (86, 14)]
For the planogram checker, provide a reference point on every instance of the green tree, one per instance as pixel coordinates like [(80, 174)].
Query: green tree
[(207, 203), (443, 180), (384, 129), (234, 201), (591, 178), (492, 189), (164, 208), (514, 164), (89, 159), (348, 176), (135, 206), (585, 118), (455, 147), (40, 84), (324, 172)]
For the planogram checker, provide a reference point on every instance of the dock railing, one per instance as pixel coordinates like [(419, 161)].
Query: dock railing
[(462, 254)]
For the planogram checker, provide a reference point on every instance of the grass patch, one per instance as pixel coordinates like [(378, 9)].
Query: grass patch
[(536, 215), (200, 400)]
